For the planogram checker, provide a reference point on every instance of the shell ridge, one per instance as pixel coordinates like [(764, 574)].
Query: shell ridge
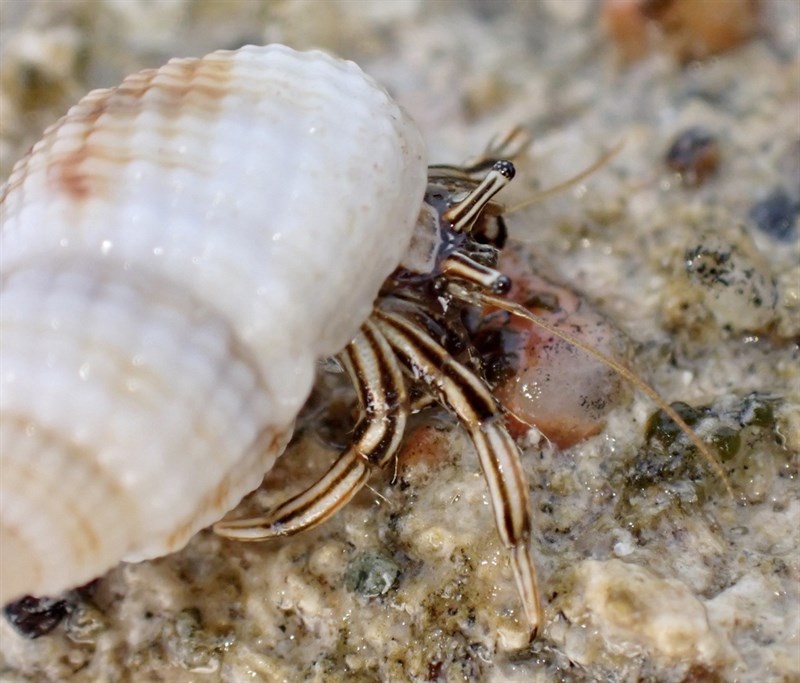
[(250, 474)]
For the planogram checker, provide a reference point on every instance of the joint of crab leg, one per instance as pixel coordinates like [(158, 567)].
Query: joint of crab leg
[(464, 214), (382, 393), (460, 266), (380, 386), (456, 386)]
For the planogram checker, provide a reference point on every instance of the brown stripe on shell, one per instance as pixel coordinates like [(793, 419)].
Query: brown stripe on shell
[(73, 453), (182, 86), (266, 445), (12, 533), (150, 286)]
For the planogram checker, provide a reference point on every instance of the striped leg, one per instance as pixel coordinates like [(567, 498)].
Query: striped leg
[(472, 402), (380, 385), (462, 267), (463, 215)]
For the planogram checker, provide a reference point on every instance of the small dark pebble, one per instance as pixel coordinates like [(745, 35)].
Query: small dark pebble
[(753, 410), (661, 428), (371, 574), (776, 215), (757, 410), (35, 617), (727, 442), (694, 153), (434, 671)]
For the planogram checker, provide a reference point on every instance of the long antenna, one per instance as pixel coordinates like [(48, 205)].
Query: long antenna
[(565, 184), (619, 367)]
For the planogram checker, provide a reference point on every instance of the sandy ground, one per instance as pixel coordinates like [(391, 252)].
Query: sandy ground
[(651, 572)]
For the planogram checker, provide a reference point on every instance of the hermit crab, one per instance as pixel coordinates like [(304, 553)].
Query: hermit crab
[(177, 253)]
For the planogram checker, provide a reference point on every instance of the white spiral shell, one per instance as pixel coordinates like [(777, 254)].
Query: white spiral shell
[(176, 254)]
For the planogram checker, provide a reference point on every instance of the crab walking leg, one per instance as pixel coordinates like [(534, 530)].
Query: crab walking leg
[(508, 492), (472, 402), (380, 386)]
